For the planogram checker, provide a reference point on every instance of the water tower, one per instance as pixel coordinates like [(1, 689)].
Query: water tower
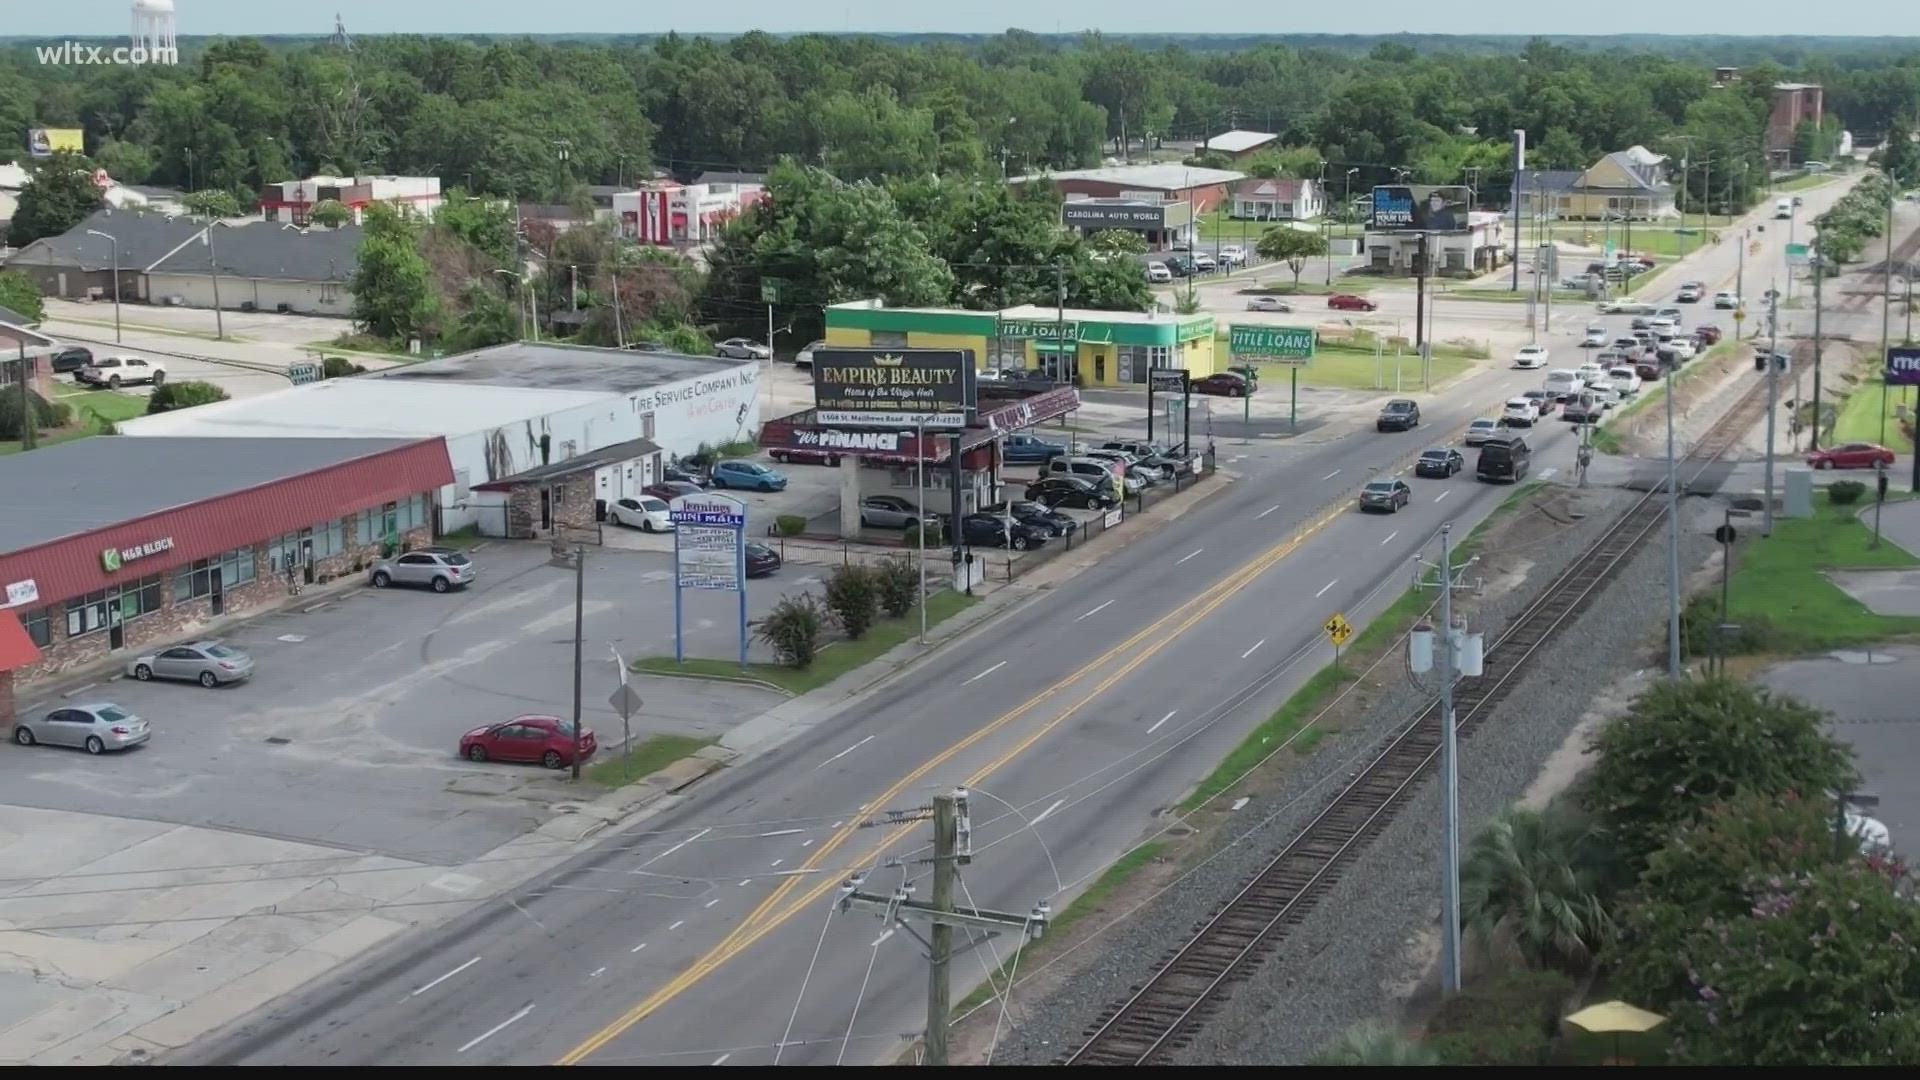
[(153, 30)]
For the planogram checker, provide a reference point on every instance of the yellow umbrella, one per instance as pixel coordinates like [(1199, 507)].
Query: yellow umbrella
[(1615, 1017)]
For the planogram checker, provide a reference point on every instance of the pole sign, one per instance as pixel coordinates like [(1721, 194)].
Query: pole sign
[(1292, 345), (303, 372), (1422, 208), (893, 388), (1798, 254), (1903, 366), (710, 553)]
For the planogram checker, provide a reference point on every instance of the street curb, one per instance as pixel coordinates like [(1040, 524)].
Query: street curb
[(695, 676)]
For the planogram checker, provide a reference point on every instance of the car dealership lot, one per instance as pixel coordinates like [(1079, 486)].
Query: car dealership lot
[(346, 735)]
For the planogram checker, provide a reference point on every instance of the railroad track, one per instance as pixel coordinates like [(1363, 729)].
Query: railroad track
[(1164, 1013)]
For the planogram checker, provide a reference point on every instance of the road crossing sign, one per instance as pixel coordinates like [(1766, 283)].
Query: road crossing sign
[(1338, 630)]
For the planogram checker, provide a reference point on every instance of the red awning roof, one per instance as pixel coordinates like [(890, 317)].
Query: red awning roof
[(17, 650)]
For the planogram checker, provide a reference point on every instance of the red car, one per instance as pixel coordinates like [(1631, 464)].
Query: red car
[(1856, 455), (1707, 334), (545, 739), (1225, 384), (788, 456), (669, 490), (1349, 302)]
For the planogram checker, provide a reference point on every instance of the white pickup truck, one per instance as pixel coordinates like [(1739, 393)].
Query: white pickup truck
[(117, 371)]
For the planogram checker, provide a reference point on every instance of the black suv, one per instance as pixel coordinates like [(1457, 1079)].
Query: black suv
[(1504, 458), (71, 359), (1072, 491), (1399, 415), (991, 530)]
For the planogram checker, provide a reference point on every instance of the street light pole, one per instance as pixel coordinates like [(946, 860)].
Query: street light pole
[(115, 241), (213, 267), (1773, 400), (1673, 542)]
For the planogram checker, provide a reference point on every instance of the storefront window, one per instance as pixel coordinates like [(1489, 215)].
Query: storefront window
[(887, 339), (1006, 354), (39, 626), (196, 579), (86, 614)]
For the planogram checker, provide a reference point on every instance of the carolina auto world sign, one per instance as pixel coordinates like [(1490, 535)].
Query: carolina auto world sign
[(1114, 215), (896, 388)]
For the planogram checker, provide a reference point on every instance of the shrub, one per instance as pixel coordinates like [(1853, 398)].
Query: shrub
[(19, 294), (790, 524), (183, 395), (792, 629), (1530, 882), (334, 367), (898, 580), (1510, 1019), (1370, 1042), (1845, 492), (853, 598), (1700, 634), (935, 536), (47, 414)]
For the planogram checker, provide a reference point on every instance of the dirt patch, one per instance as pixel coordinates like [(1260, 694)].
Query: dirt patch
[(1698, 401)]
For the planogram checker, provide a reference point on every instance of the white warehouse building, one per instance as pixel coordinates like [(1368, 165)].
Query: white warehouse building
[(504, 410)]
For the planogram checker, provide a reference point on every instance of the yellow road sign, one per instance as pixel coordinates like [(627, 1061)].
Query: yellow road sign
[(1739, 315), (1338, 630)]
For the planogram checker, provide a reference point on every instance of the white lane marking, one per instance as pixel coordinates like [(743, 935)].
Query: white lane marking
[(445, 977), (830, 761), (713, 901), (775, 863), (1240, 802), (597, 972), (978, 677), (678, 925), (782, 832), (1162, 720), (1443, 495), (1547, 474), (1256, 645), (1390, 536), (881, 938), (497, 1028), (837, 824), (1188, 555), (1042, 816), (1331, 475), (809, 841), (1265, 512), (638, 947), (1324, 588), (676, 847), (1094, 612), (743, 882), (722, 1059)]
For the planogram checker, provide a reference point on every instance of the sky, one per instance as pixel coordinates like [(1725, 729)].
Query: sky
[(208, 17)]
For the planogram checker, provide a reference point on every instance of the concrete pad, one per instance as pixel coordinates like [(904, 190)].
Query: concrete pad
[(55, 1036), (1884, 592), (189, 971), (74, 960), (53, 842), (236, 999), (355, 937)]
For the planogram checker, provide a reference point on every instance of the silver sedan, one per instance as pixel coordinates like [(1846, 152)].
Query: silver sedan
[(94, 728), (208, 663)]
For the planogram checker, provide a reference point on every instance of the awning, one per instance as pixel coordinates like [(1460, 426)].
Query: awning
[(17, 650)]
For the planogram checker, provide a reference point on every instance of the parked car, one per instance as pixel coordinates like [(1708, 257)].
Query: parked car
[(117, 371), (1506, 458), (1707, 334), (892, 512), (1531, 356), (669, 490), (1075, 491), (437, 568), (1850, 456), (1205, 263), (1399, 414), (1139, 448), (1349, 302), (1222, 384), (1563, 383), (545, 739), (804, 358), (1545, 402), (1181, 265), (1726, 301), (97, 728), (1388, 495), (761, 559), (788, 455), (1441, 462), (746, 474), (646, 513), (1036, 515), (1482, 429), (992, 530), (1596, 338), (70, 360), (1233, 255), (1268, 303), (1018, 448), (686, 472), (1158, 274), (208, 663), (1519, 412), (739, 348), (1691, 292)]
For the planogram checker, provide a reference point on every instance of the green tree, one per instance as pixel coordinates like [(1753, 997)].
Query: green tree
[(1113, 243), (20, 295), (183, 395), (211, 203), (392, 294), (1530, 881), (330, 214), (1682, 746), (1283, 243), (487, 224), (59, 195), (853, 596), (1373, 1043)]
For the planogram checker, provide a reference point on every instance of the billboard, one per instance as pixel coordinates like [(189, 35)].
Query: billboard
[(1283, 344), (1903, 366), (45, 142), (1422, 208), (1114, 215), (896, 388)]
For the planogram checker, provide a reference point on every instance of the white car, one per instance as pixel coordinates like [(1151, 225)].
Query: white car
[(643, 512), (1607, 395), (1596, 338), (1591, 374), (1158, 273), (1530, 356), (1268, 303), (1233, 255), (1681, 348), (804, 358), (1204, 262), (117, 371), (1520, 412), (1624, 380), (1726, 301), (1563, 383), (739, 348)]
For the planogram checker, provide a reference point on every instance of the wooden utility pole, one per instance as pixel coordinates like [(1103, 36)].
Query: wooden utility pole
[(946, 835)]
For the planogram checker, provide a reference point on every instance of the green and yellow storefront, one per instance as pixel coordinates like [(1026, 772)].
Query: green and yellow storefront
[(1090, 348)]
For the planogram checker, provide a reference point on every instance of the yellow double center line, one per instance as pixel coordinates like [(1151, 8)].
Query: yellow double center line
[(758, 924)]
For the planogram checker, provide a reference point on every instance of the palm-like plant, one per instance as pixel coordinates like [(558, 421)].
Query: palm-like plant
[(1373, 1043), (1530, 882)]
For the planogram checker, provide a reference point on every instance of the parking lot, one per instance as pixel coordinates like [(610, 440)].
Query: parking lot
[(346, 735)]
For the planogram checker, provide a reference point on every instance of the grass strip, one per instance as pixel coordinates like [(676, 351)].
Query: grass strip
[(649, 756)]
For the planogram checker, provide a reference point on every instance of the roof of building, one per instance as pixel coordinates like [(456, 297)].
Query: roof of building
[(144, 239), (1173, 177), (543, 366), (1796, 86), (574, 466), (1549, 181), (363, 407), (1238, 141), (1646, 175), (1277, 188), (272, 251), (87, 484), (12, 317), (1042, 313), (724, 177)]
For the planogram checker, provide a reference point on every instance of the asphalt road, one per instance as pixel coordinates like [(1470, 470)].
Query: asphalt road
[(708, 935)]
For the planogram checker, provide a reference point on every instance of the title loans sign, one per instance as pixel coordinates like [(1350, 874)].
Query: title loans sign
[(893, 387)]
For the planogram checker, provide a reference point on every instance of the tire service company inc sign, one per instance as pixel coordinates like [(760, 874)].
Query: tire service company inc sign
[(894, 388)]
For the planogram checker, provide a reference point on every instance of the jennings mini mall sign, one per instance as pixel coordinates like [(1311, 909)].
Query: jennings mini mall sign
[(895, 388)]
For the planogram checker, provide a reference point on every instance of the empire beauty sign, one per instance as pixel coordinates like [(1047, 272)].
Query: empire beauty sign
[(893, 388)]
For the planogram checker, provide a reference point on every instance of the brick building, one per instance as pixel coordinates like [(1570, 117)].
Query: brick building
[(1203, 189), (1793, 104), (121, 543)]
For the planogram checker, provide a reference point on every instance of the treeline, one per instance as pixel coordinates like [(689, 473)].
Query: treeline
[(539, 119)]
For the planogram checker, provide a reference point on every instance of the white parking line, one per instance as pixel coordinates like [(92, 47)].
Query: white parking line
[(1188, 555), (497, 1029), (1390, 536), (445, 977), (1042, 816), (722, 1059), (1094, 612), (986, 673), (1265, 512), (1256, 645), (1443, 495), (1331, 475), (1162, 720), (840, 755), (1324, 588)]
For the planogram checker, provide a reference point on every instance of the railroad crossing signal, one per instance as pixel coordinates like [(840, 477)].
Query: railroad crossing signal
[(1338, 630)]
